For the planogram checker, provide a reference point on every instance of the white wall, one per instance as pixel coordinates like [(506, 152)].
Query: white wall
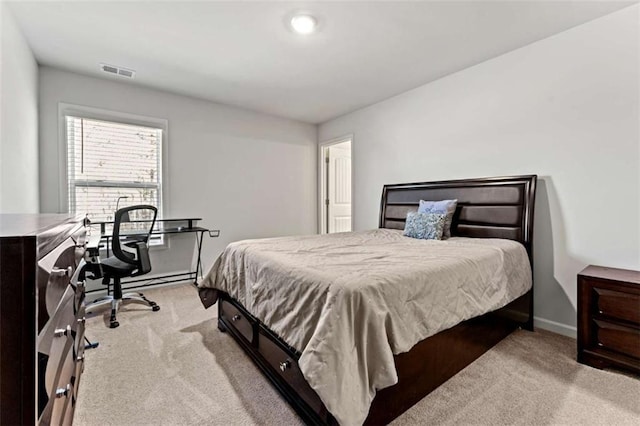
[(18, 120), (565, 108), (248, 174)]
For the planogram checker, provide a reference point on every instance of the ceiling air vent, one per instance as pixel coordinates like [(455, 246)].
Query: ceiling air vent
[(122, 72)]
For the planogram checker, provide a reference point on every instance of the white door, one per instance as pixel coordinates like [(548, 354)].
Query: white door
[(338, 203)]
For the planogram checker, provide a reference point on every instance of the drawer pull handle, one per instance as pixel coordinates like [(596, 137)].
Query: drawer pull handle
[(235, 318), (60, 392), (284, 366), (59, 332), (59, 272)]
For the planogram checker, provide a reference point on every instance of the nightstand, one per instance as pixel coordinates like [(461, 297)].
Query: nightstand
[(609, 318)]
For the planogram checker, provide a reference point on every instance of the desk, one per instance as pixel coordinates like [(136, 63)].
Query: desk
[(162, 227)]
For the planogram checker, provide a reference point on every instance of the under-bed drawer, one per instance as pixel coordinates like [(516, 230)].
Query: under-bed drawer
[(287, 368), (237, 319)]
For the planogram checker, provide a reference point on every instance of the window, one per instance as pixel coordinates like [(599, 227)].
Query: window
[(109, 161)]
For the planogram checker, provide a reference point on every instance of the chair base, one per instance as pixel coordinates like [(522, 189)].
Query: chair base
[(115, 304)]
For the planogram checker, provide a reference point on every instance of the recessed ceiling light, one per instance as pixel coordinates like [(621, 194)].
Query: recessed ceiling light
[(304, 24)]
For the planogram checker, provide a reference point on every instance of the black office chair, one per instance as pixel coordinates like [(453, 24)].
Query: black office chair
[(131, 257)]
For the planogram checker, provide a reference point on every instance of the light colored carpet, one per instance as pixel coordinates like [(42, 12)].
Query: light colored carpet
[(174, 367)]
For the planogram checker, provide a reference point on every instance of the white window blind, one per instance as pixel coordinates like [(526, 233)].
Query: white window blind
[(107, 160)]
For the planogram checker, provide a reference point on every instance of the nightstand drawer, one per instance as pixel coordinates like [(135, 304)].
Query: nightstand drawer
[(616, 304), (618, 338), (609, 318)]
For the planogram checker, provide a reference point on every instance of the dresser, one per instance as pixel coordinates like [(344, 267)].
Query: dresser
[(42, 321), (609, 318)]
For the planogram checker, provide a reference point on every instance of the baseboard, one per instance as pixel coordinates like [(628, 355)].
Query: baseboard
[(95, 286), (556, 327), (102, 291)]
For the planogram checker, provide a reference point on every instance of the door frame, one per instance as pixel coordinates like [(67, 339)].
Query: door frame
[(322, 179)]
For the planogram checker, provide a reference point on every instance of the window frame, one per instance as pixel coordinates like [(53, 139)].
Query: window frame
[(92, 113)]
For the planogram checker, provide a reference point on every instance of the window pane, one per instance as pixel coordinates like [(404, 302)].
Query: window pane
[(100, 202), (107, 160), (100, 150)]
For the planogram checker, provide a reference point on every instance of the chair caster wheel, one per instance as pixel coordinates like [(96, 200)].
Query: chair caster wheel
[(114, 324), (155, 308)]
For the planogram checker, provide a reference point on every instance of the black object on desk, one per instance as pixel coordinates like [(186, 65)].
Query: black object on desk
[(175, 226)]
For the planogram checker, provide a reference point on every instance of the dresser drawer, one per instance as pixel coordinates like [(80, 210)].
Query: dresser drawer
[(78, 305), (237, 319), (61, 349), (79, 365), (59, 411), (79, 334), (59, 340), (286, 366), (59, 381), (616, 304), (78, 371), (57, 268), (62, 318), (618, 338), (81, 240)]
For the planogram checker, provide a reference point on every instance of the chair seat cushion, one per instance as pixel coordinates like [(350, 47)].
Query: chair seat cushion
[(112, 266)]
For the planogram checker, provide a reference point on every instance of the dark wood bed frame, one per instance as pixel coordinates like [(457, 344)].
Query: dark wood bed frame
[(497, 207)]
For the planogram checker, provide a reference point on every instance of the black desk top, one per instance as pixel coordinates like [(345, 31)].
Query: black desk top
[(184, 219), (158, 230), (162, 231)]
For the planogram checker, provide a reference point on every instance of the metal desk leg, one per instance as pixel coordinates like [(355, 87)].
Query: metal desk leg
[(199, 261)]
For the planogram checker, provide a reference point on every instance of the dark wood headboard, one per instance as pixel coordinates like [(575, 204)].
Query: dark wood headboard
[(494, 207)]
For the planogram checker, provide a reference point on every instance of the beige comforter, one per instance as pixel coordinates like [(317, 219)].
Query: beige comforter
[(350, 301)]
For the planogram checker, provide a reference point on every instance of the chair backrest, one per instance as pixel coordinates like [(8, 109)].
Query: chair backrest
[(135, 224)]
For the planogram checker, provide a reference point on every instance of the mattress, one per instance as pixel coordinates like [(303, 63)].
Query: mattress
[(349, 301)]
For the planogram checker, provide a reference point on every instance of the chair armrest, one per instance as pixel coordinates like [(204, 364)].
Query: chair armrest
[(143, 261)]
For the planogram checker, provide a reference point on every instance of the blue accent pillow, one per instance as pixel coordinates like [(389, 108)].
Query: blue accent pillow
[(426, 226), (446, 207)]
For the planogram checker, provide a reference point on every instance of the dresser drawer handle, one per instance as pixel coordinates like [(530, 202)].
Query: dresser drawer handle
[(58, 272), (284, 366), (235, 318), (60, 392), (59, 332)]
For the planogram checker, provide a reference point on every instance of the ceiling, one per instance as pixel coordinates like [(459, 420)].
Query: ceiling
[(243, 54)]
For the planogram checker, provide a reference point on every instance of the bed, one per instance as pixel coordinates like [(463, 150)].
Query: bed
[(347, 331)]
